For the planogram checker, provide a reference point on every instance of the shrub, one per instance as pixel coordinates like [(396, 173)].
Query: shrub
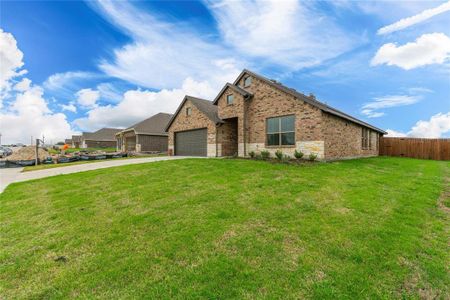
[(279, 154), (286, 158), (258, 156), (265, 154), (298, 154), (312, 156), (252, 154)]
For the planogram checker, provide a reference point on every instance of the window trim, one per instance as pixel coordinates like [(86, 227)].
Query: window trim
[(232, 99), (280, 132), (188, 111), (245, 79), (365, 139)]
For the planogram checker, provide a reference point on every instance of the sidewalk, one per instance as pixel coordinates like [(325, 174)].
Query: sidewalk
[(11, 175)]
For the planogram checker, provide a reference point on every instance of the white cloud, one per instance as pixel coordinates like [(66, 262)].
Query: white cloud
[(29, 115), (394, 133), (11, 59), (419, 90), (140, 104), (23, 85), (68, 107), (163, 54), (410, 21), (87, 98), (432, 48), (437, 126), (27, 112), (371, 109), (390, 11), (109, 92), (62, 80), (372, 114), (290, 33)]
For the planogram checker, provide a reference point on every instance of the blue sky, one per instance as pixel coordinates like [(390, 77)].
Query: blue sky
[(72, 66)]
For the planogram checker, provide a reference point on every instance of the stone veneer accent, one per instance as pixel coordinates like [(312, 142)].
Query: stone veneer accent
[(308, 147)]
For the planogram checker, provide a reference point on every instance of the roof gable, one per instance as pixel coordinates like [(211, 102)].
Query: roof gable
[(104, 134), (310, 100), (155, 125), (204, 106), (235, 88)]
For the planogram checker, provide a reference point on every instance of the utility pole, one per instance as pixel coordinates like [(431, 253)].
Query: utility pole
[(37, 152)]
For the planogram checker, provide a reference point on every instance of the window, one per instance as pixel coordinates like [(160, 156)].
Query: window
[(280, 131), (365, 138), (247, 81), (230, 99), (188, 111)]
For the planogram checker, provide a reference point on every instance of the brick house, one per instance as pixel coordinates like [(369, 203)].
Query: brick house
[(148, 135), (102, 138), (255, 113)]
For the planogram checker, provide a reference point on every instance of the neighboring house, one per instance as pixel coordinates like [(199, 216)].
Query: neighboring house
[(68, 142), (146, 136), (103, 138), (76, 141), (255, 113)]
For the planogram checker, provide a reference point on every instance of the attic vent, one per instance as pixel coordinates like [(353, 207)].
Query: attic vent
[(311, 95), (274, 81)]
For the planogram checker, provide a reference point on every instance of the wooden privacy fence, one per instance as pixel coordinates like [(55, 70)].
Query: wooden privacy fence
[(437, 149)]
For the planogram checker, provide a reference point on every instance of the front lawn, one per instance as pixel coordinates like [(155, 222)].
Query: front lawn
[(222, 228)]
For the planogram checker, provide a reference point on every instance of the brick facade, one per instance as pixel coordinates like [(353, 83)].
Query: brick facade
[(244, 124), (343, 139), (196, 120)]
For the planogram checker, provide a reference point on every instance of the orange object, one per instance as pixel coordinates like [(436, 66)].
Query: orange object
[(65, 147)]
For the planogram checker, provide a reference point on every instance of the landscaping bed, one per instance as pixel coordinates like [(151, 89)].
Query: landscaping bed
[(230, 228)]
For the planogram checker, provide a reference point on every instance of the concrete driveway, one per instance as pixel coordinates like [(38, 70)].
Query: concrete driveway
[(11, 175)]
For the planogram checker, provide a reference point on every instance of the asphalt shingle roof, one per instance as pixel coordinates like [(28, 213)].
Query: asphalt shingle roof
[(205, 106), (155, 125), (104, 134)]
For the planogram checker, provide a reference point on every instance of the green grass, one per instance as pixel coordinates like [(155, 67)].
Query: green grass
[(221, 228), (81, 162)]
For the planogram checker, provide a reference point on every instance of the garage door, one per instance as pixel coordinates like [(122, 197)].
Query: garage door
[(191, 143), (131, 143)]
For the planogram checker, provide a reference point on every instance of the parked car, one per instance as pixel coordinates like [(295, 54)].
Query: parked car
[(4, 151)]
